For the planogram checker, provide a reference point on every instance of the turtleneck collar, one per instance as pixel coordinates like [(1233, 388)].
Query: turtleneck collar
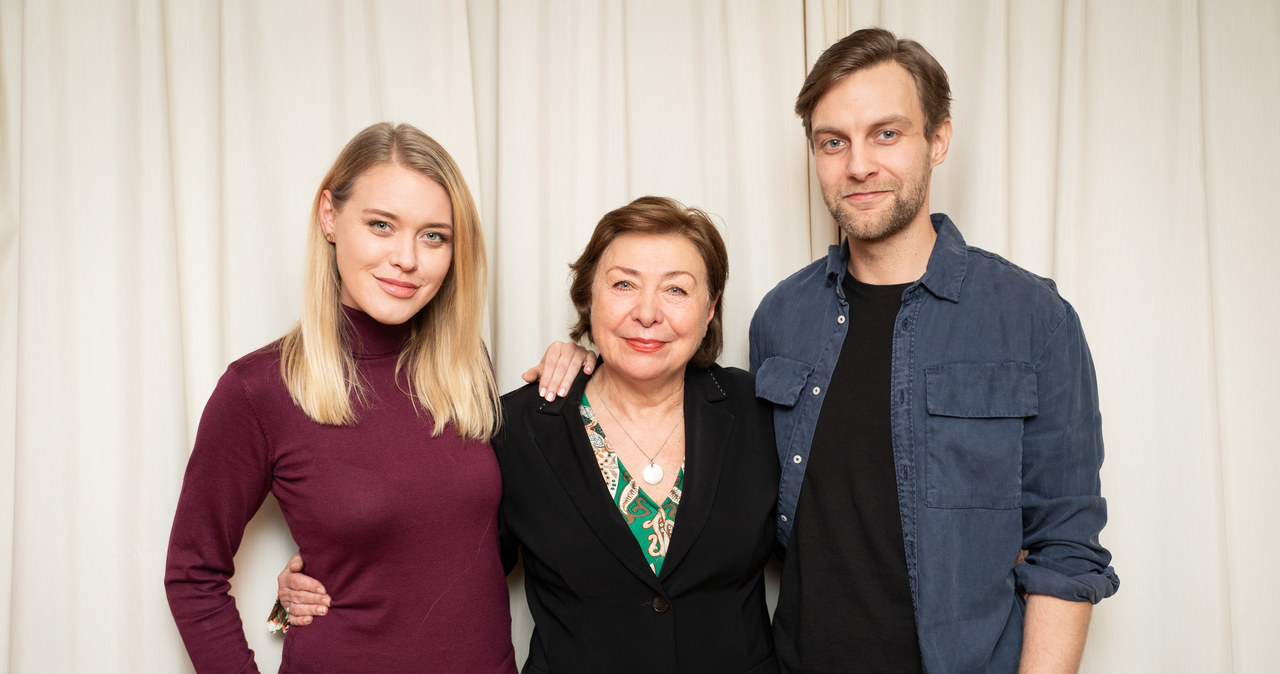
[(371, 339)]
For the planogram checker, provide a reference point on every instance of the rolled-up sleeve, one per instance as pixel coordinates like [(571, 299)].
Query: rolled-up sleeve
[(1063, 511)]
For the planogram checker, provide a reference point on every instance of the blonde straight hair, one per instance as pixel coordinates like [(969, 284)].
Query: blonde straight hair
[(449, 372)]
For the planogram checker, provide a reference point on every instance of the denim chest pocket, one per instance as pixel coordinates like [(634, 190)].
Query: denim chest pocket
[(780, 380), (974, 433)]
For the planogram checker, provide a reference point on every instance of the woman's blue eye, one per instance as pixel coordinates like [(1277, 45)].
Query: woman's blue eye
[(677, 290), (380, 226)]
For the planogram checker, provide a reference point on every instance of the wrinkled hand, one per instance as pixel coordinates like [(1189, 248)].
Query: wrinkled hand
[(303, 596), (559, 367)]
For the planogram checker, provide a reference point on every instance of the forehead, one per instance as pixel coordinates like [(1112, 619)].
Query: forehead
[(653, 253), (392, 179), (877, 92), (403, 192)]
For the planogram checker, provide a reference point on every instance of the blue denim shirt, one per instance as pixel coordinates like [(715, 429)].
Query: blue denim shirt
[(997, 438)]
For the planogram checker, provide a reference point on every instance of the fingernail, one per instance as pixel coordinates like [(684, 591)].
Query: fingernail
[(322, 610), (320, 590), (564, 392), (542, 391)]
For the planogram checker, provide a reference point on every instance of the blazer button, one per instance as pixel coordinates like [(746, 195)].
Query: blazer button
[(660, 604)]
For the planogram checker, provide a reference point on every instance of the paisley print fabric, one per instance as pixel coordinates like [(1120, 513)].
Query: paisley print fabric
[(650, 523)]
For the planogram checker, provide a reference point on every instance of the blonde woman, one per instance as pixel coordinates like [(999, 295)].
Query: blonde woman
[(370, 423)]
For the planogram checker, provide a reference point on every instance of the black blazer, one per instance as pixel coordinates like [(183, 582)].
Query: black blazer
[(596, 605)]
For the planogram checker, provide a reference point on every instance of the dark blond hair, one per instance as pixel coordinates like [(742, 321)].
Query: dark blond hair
[(872, 46), (655, 215), (448, 369)]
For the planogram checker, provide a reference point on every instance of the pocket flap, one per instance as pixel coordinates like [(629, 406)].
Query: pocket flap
[(780, 380), (981, 390)]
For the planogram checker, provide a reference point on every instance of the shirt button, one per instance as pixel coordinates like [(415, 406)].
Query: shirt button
[(840, 320), (782, 517), (796, 459), (816, 390), (660, 604)]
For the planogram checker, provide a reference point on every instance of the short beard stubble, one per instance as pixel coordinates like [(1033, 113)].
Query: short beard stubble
[(871, 228)]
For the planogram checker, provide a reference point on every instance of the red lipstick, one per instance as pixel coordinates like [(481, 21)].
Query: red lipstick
[(646, 345)]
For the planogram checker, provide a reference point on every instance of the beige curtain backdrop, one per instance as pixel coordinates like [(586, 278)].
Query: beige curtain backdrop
[(158, 159)]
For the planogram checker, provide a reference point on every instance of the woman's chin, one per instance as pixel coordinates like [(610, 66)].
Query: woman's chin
[(644, 366)]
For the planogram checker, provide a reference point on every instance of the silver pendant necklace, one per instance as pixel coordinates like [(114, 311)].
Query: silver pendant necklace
[(652, 473)]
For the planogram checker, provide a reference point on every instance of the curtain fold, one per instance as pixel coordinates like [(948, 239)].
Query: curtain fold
[(603, 102), (1240, 87), (158, 160), (10, 151)]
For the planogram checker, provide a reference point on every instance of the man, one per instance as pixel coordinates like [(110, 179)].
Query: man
[(935, 408)]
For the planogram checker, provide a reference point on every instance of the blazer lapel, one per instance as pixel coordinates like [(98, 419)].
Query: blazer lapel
[(574, 465), (707, 429)]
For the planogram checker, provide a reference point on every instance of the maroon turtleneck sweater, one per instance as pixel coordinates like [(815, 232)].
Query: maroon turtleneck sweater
[(401, 524)]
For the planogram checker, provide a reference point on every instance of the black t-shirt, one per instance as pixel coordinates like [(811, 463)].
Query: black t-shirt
[(845, 601)]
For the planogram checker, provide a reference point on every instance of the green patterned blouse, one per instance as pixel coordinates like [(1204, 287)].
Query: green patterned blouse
[(650, 524)]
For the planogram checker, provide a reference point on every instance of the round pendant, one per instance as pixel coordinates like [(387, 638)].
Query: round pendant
[(652, 473)]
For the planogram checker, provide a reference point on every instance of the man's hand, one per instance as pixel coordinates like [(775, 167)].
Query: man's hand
[(558, 369), (1053, 634), (303, 596)]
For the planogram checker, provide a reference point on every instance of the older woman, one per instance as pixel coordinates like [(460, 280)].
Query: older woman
[(643, 502), (370, 424)]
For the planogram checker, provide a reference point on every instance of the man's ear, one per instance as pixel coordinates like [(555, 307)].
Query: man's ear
[(940, 143)]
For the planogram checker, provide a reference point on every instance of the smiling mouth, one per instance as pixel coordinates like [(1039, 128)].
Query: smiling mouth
[(401, 289), (645, 345), (866, 196)]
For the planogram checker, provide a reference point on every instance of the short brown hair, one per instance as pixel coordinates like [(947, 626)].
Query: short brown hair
[(872, 46), (655, 215)]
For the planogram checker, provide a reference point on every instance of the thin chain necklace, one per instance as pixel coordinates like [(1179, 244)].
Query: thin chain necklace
[(652, 473)]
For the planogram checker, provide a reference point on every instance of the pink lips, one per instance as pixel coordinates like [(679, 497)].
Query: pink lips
[(645, 345), (401, 289), (865, 196)]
